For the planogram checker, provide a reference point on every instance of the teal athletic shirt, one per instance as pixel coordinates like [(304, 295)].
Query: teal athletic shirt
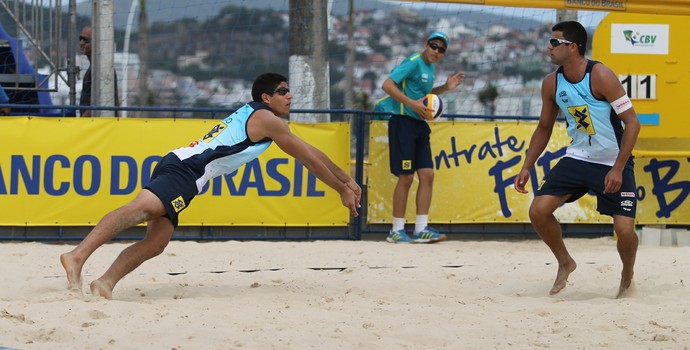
[(593, 125), (415, 78)]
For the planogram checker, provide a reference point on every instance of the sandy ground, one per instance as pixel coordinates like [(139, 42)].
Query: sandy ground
[(349, 295)]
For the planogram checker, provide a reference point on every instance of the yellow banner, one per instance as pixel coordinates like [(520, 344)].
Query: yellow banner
[(72, 171), (475, 164), (669, 7)]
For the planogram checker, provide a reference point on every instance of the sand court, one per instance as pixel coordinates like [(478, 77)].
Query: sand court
[(348, 295)]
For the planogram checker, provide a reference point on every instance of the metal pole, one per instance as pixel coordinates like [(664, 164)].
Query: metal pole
[(359, 169), (72, 68), (125, 51), (350, 59), (309, 72), (103, 49)]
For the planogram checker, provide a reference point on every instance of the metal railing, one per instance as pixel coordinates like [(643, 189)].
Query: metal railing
[(38, 23)]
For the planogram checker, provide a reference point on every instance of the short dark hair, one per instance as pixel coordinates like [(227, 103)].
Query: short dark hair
[(575, 32), (266, 84)]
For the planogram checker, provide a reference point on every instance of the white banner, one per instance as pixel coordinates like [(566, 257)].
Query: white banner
[(644, 39)]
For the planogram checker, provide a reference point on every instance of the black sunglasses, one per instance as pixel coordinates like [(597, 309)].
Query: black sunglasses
[(555, 42), (85, 39), (282, 91), (438, 48)]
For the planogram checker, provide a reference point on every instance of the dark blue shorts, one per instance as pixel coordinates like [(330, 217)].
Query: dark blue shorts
[(576, 177), (174, 184), (409, 145)]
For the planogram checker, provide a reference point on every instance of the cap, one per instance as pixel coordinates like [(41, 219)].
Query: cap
[(439, 35)]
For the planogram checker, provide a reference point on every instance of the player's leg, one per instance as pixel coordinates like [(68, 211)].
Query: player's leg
[(424, 191), (400, 194), (549, 229), (401, 151), (627, 249), (424, 165), (158, 234), (144, 207), (622, 206)]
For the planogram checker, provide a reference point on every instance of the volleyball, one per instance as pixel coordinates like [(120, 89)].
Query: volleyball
[(434, 102)]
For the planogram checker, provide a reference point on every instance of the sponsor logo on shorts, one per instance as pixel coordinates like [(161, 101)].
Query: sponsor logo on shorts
[(626, 203), (407, 164), (178, 203), (628, 194)]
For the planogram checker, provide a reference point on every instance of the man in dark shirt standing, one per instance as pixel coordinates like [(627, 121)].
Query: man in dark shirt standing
[(85, 98)]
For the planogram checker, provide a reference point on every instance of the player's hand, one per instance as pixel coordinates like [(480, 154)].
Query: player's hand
[(422, 110), (521, 180), (357, 190), (349, 200), (613, 181), (454, 80)]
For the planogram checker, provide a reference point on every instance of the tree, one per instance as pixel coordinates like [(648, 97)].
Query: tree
[(487, 97)]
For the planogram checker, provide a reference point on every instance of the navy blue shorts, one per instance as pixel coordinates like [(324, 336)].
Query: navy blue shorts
[(410, 149), (174, 184), (577, 177)]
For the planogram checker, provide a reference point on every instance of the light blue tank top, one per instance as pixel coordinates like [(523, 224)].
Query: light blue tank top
[(225, 148), (593, 126)]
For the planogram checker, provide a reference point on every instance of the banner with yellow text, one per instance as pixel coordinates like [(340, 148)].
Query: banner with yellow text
[(72, 171), (476, 163)]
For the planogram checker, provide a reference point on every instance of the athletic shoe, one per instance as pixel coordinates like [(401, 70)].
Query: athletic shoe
[(428, 235), (399, 236)]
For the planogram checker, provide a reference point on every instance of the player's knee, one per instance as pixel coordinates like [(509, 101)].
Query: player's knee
[(406, 180), (426, 176), (535, 215)]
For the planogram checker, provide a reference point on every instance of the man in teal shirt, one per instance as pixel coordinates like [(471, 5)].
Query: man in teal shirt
[(408, 135)]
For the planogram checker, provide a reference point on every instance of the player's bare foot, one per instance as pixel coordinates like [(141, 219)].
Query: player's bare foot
[(103, 289), (73, 271), (626, 286), (562, 276)]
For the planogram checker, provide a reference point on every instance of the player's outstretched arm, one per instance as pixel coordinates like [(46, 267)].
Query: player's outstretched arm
[(338, 172), (268, 125)]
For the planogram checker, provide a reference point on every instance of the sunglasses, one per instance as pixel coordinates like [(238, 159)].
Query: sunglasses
[(85, 39), (555, 42), (282, 91), (435, 47)]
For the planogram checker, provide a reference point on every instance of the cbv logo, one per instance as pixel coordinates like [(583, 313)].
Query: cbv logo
[(637, 38)]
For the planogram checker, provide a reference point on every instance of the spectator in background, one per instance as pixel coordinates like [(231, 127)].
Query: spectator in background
[(183, 172), (603, 126), (4, 99), (85, 98), (408, 135)]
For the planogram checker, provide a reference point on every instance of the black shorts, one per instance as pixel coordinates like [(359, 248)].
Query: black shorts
[(174, 184), (576, 177), (410, 148)]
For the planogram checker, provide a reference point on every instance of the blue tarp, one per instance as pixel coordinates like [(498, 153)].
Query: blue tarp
[(13, 61)]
